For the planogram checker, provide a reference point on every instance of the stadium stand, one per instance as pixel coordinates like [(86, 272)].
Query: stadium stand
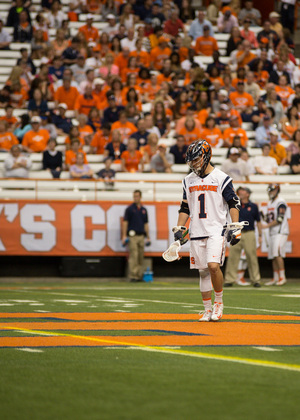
[(174, 68)]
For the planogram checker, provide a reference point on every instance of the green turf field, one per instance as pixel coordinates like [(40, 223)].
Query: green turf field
[(93, 350)]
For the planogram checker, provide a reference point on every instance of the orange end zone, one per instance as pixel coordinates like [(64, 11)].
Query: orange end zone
[(157, 329)]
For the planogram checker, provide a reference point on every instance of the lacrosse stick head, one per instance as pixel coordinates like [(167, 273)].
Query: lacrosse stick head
[(171, 254)]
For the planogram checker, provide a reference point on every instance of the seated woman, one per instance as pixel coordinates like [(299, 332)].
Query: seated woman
[(52, 159), (37, 103), (132, 159), (211, 133), (81, 170)]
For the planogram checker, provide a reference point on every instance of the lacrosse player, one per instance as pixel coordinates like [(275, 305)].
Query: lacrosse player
[(277, 224), (209, 200)]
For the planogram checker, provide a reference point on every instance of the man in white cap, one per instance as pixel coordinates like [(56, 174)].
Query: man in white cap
[(235, 167), (277, 150), (112, 28), (90, 33), (79, 69), (59, 119), (36, 139), (275, 24)]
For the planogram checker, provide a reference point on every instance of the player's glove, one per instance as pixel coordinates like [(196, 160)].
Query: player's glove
[(234, 236), (179, 234)]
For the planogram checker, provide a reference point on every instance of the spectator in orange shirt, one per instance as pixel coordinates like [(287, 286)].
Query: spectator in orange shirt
[(192, 113), (242, 101), (206, 44), (244, 56), (74, 134), (142, 57), (121, 59), (66, 93), (125, 127), (9, 118), (211, 133), (234, 130), (84, 103), (100, 139), (85, 130), (159, 53), (277, 150), (88, 30), (35, 140), (132, 159), (70, 155), (182, 105), (7, 139), (131, 68), (283, 90), (190, 131)]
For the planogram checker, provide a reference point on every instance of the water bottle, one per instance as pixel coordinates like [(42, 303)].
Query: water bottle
[(148, 275)]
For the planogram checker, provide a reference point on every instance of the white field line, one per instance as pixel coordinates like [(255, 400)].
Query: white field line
[(150, 288), (176, 303), (29, 350), (265, 348)]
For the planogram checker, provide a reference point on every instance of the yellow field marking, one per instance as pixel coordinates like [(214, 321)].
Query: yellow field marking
[(253, 362)]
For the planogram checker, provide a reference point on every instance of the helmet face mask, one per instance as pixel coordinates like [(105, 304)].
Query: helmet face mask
[(273, 190), (198, 156)]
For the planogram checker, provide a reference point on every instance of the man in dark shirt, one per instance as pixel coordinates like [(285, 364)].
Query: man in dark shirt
[(179, 150), (249, 212), (70, 54), (142, 134), (111, 114), (295, 163), (134, 230), (107, 174), (216, 63), (61, 122)]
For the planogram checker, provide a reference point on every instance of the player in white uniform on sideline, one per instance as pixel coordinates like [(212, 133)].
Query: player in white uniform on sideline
[(208, 199), (278, 226)]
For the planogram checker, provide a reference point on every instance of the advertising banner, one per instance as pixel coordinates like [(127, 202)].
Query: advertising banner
[(60, 228)]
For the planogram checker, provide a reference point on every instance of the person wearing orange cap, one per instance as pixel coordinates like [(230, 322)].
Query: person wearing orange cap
[(160, 53)]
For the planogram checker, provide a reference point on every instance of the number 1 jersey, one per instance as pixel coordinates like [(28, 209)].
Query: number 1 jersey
[(208, 198)]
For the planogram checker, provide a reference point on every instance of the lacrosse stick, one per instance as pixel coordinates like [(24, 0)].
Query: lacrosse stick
[(171, 254)]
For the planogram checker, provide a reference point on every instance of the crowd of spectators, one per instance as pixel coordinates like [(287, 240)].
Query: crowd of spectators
[(145, 54)]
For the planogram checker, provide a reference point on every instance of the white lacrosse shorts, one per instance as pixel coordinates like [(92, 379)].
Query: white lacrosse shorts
[(204, 251), (277, 246)]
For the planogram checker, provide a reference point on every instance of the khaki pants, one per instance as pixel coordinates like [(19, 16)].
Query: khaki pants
[(136, 256), (248, 243)]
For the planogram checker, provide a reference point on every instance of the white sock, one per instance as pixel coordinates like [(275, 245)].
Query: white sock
[(276, 275), (241, 274), (207, 304), (219, 297), (281, 274)]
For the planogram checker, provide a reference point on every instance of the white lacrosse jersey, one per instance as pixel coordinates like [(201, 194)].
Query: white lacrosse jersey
[(273, 211), (207, 199)]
